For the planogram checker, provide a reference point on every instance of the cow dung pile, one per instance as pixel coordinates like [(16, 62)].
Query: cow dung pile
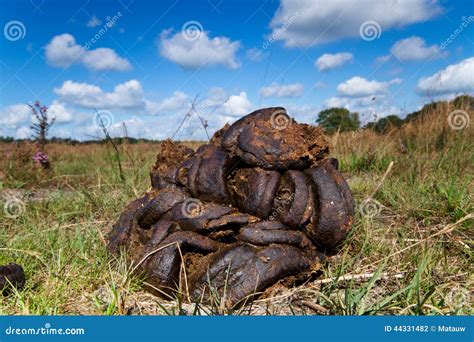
[(261, 203)]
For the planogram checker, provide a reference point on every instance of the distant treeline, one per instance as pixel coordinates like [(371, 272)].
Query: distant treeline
[(383, 124), (69, 141), (342, 120)]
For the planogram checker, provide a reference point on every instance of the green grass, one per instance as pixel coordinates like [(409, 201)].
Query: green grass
[(396, 262)]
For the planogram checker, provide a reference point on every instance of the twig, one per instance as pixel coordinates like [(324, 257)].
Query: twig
[(101, 236), (67, 226), (32, 253), (182, 271), (360, 277), (210, 114), (264, 78), (188, 114), (382, 180), (148, 255), (314, 306)]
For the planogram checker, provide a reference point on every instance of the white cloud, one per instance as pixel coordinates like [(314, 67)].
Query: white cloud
[(383, 59), (179, 101), (128, 95), (237, 105), (201, 52), (331, 61), (414, 48), (336, 101), (411, 49), (255, 55), (14, 115), (23, 133), (456, 78), (319, 21), (217, 109), (60, 112), (282, 90), (319, 85), (302, 112), (63, 51), (216, 97), (371, 99), (359, 87), (94, 21), (136, 127), (105, 59), (349, 102)]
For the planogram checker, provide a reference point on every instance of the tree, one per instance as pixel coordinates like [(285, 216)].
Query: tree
[(463, 101), (385, 124), (338, 119)]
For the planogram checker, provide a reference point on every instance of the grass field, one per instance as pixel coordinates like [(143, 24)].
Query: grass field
[(410, 251)]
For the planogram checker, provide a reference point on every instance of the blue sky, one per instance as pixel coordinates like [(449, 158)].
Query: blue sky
[(143, 62)]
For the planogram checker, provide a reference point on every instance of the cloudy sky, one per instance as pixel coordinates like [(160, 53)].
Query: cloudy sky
[(142, 64)]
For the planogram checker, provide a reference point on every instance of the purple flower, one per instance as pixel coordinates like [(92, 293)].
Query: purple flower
[(41, 158)]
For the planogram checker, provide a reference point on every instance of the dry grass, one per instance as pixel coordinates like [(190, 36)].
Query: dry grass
[(410, 251)]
